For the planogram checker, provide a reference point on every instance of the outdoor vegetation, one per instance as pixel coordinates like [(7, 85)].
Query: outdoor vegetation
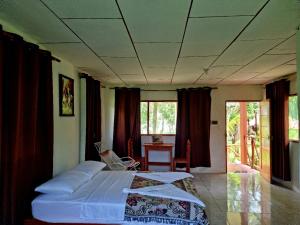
[(161, 116), (233, 132), (293, 118)]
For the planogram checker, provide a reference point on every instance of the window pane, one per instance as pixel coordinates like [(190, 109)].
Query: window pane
[(293, 118), (144, 110), (162, 117)]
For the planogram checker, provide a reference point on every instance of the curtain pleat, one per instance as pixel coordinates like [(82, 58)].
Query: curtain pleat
[(26, 125), (278, 93), (127, 121), (193, 122), (93, 118)]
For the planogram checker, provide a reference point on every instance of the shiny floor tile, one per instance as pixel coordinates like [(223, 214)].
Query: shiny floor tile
[(240, 198)]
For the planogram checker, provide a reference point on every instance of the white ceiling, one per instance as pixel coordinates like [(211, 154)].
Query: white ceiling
[(135, 42)]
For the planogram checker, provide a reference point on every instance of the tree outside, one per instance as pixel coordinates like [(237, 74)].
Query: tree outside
[(162, 117), (293, 118), (233, 132)]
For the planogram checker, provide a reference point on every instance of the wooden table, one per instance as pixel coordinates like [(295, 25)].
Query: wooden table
[(159, 148)]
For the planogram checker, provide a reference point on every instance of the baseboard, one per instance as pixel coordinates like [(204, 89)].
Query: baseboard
[(296, 189)]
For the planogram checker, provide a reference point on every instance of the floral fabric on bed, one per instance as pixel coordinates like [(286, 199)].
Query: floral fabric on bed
[(146, 209)]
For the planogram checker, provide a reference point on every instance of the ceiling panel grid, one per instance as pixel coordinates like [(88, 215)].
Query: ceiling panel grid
[(210, 36), (155, 20)]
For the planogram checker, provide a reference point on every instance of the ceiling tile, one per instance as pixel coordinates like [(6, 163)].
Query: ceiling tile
[(192, 65), (107, 37), (242, 52), (266, 63), (124, 65), (80, 56), (155, 20), (287, 47), (278, 19), (84, 8), (158, 54), (279, 71), (257, 81), (33, 18), (158, 81), (156, 75), (159, 72), (208, 81), (186, 79), (293, 62), (134, 79), (230, 82), (219, 72), (242, 76), (202, 8), (210, 36), (114, 81), (95, 74)]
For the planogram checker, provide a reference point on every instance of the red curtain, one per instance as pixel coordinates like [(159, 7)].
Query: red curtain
[(26, 125), (127, 122), (193, 122), (278, 93), (93, 118)]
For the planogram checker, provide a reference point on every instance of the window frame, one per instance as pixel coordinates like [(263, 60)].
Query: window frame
[(293, 140), (148, 107)]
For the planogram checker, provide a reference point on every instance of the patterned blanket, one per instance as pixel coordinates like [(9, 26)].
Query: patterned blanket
[(146, 209)]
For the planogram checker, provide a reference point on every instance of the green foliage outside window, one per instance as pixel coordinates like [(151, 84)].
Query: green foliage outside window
[(162, 117), (293, 118)]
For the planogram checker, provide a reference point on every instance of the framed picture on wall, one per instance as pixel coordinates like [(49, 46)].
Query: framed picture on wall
[(66, 96)]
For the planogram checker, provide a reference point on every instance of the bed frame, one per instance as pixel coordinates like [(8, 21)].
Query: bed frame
[(38, 222)]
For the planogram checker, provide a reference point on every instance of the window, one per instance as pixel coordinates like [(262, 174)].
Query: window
[(293, 118), (158, 117)]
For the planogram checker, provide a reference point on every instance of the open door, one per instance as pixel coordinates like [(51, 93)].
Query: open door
[(266, 171)]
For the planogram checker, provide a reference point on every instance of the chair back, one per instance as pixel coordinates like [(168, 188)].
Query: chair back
[(188, 150), (98, 146), (130, 147), (112, 160)]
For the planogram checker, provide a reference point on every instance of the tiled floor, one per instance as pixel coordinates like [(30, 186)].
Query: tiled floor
[(241, 199)]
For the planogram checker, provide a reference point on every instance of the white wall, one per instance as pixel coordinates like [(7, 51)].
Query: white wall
[(217, 137), (107, 113), (219, 97), (66, 129)]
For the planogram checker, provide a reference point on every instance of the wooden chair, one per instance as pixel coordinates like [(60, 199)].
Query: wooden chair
[(113, 161), (184, 160), (139, 159)]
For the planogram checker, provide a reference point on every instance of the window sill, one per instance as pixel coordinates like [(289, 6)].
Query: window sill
[(295, 141)]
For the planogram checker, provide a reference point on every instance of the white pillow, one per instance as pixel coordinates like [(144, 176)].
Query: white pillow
[(65, 183), (90, 168)]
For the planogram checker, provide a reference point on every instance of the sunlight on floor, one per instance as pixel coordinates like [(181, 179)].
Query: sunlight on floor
[(246, 198)]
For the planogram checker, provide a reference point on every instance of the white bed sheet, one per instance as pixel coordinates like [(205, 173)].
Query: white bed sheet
[(101, 200)]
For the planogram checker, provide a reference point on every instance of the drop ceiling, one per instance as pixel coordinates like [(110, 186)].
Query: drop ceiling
[(138, 42)]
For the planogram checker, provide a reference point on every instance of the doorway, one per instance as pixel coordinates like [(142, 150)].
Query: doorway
[(243, 136)]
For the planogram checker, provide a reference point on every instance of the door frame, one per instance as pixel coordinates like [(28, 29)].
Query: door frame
[(226, 124)]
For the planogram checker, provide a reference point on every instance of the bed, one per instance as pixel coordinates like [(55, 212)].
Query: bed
[(101, 200)]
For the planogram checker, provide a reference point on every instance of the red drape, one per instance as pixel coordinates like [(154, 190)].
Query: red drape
[(26, 125), (127, 122), (93, 118), (193, 122), (278, 93)]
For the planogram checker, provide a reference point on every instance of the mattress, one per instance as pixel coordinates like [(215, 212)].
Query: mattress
[(101, 200)]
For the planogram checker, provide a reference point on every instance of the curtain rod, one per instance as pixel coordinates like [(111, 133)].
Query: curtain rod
[(55, 59), (84, 75), (167, 90)]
